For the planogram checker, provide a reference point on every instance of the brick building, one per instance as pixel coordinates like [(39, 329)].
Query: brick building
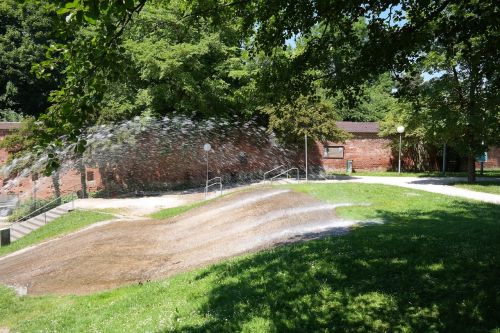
[(366, 149)]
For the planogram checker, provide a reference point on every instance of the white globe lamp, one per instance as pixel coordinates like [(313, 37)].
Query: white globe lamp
[(400, 129)]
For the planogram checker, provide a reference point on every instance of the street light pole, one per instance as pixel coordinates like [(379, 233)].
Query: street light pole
[(206, 148), (444, 159), (400, 130), (305, 139)]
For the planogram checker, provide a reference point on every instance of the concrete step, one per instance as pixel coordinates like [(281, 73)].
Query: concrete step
[(57, 210), (21, 229), (29, 225), (39, 221), (33, 225), (14, 235), (60, 210), (51, 215)]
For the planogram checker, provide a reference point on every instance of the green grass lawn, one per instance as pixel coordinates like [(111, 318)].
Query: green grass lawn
[(433, 266), (488, 187), (171, 212), (62, 225)]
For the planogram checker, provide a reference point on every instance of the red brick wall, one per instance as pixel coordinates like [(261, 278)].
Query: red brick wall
[(69, 182), (4, 154), (366, 150), (147, 167)]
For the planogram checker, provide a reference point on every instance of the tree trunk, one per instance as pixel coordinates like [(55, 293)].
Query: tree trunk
[(471, 169), (57, 185), (83, 178)]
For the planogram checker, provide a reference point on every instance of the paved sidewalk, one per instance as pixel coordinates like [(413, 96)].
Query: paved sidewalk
[(139, 206), (431, 184), (136, 207)]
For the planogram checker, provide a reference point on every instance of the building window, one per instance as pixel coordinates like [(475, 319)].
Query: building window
[(333, 152), (90, 176), (242, 157)]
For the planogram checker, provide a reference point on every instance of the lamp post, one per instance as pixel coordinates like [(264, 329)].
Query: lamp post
[(400, 130), (34, 178), (206, 148), (444, 160), (305, 139)]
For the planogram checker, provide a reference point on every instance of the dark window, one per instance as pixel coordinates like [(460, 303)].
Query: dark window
[(90, 176), (242, 157), (333, 152)]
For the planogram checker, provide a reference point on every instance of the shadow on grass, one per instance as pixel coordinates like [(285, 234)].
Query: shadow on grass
[(436, 271)]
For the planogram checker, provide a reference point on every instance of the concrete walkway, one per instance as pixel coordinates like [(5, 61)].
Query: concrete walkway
[(137, 207), (439, 185)]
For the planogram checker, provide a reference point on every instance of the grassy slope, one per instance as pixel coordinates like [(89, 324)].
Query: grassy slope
[(434, 266), (65, 224), (171, 212), (488, 187)]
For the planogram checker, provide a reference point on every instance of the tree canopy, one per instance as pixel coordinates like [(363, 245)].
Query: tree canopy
[(180, 65), (229, 57), (25, 31)]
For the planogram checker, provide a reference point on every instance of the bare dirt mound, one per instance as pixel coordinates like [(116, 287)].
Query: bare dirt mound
[(133, 251)]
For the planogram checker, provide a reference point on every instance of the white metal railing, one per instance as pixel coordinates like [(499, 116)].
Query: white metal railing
[(287, 172), (212, 182), (41, 209), (268, 172)]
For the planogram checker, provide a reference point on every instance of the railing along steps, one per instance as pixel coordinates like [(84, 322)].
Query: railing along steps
[(21, 229)]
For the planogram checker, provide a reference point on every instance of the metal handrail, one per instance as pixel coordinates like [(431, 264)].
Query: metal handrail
[(208, 185), (219, 178), (286, 172), (278, 167), (27, 216)]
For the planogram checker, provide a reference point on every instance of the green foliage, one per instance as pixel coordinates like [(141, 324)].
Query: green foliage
[(22, 138), (91, 54), (180, 65), (416, 143), (460, 105), (432, 267), (163, 62), (19, 144), (309, 116), (376, 100), (172, 212), (405, 38), (25, 30), (216, 57)]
